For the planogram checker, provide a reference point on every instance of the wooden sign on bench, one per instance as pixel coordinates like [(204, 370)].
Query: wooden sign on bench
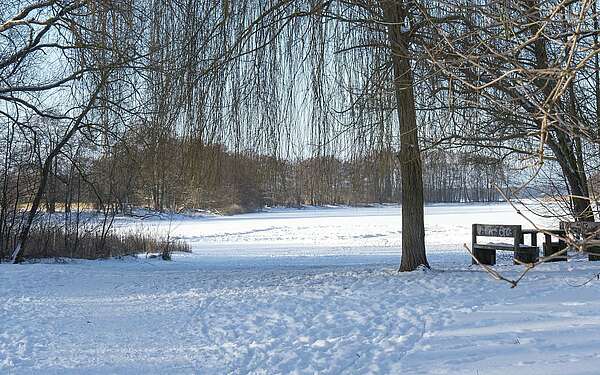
[(487, 230)]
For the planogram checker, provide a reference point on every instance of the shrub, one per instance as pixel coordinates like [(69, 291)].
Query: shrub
[(56, 242)]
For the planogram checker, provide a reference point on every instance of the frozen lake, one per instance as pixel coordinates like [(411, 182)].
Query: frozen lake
[(313, 235)]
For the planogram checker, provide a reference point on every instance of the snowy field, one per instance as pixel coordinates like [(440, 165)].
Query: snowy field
[(301, 292)]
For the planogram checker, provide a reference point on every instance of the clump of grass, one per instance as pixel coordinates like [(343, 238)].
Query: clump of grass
[(56, 242)]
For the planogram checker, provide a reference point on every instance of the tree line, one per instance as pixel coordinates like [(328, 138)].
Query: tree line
[(186, 179)]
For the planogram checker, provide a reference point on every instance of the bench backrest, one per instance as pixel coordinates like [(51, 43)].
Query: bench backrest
[(490, 230)]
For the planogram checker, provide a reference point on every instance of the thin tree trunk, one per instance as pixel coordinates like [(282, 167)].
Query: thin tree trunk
[(17, 255)]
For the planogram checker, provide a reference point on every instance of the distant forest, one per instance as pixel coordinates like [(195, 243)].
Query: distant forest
[(172, 174)]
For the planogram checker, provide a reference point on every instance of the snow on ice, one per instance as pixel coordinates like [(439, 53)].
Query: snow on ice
[(310, 291)]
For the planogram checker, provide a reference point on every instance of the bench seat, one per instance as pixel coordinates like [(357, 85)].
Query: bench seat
[(502, 246)]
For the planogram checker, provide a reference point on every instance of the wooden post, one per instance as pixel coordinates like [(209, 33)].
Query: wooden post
[(551, 248), (596, 253), (473, 242), (487, 256)]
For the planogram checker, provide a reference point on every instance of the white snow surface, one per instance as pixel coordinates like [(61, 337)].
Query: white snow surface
[(311, 291)]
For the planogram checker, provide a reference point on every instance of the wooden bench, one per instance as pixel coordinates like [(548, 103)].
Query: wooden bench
[(486, 253), (584, 230)]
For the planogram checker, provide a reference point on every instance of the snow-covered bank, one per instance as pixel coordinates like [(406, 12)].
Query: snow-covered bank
[(275, 293)]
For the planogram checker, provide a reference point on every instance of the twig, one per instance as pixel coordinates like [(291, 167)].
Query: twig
[(596, 276), (495, 274)]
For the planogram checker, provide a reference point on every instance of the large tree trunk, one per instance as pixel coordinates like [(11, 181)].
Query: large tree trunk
[(413, 226), (575, 176)]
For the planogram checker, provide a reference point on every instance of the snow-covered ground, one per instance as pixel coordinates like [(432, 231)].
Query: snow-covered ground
[(309, 292)]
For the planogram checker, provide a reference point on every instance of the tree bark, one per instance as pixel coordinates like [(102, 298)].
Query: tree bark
[(596, 69), (581, 208), (413, 226)]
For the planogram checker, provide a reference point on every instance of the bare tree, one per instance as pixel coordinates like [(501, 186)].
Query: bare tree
[(71, 41), (524, 66)]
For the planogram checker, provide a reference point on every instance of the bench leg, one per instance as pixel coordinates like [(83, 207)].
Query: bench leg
[(555, 247), (596, 253), (485, 256), (527, 256)]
